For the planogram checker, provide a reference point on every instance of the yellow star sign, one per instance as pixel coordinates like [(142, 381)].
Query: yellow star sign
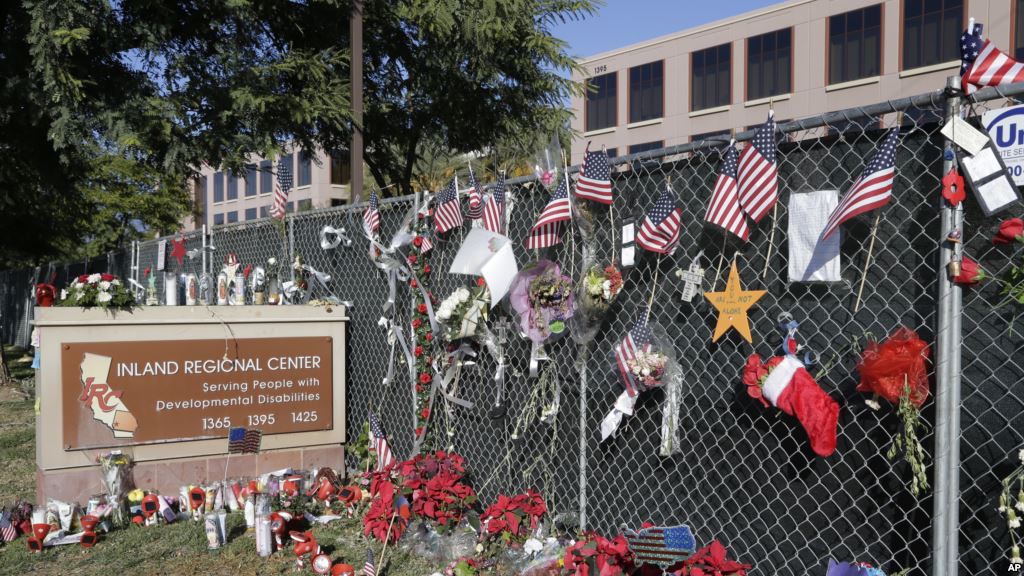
[(733, 305)]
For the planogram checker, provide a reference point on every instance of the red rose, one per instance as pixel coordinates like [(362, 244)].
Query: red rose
[(106, 277), (425, 377), (412, 283), (412, 258), (418, 351), (426, 269), (970, 273), (1010, 231), (416, 322), (419, 431), (418, 241), (419, 387), (85, 277), (422, 308), (480, 282), (425, 413), (429, 337)]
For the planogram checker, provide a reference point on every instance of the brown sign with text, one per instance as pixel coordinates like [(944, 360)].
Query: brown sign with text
[(126, 393)]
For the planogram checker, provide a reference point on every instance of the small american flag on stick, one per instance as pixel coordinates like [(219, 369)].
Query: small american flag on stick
[(661, 546), (982, 64), (282, 186), (448, 212), (494, 209), (872, 190), (371, 218), (548, 229), (660, 230), (476, 201), (724, 209), (7, 530), (594, 182), (369, 569), (639, 338), (380, 443), (758, 172), (244, 440)]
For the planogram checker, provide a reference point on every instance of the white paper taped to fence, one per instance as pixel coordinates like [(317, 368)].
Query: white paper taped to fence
[(812, 259), (484, 253)]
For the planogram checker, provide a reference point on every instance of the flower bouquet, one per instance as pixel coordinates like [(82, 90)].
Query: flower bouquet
[(463, 312), (543, 297), (896, 370), (597, 292), (116, 467), (712, 559), (99, 290), (438, 490), (595, 554), (1013, 508), (511, 520)]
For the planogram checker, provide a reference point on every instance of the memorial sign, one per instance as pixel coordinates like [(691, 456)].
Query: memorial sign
[(128, 393)]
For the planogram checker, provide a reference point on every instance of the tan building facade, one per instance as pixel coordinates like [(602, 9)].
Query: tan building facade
[(319, 180), (803, 57)]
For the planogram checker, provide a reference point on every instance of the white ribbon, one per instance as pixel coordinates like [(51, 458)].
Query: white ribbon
[(623, 407), (331, 237)]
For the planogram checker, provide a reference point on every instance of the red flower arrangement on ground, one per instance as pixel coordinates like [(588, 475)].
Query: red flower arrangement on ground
[(508, 516), (596, 555), (388, 515), (712, 560)]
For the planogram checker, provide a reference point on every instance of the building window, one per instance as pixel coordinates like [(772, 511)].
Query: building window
[(199, 195), (855, 45), (638, 148), (218, 187), (718, 135), (1018, 30), (341, 168), (232, 186), (931, 31), (710, 82), (305, 204), (769, 63), (250, 179), (266, 177), (232, 216), (305, 175), (602, 101), (612, 152), (263, 211), (338, 202), (290, 207), (218, 219), (250, 214), (646, 91)]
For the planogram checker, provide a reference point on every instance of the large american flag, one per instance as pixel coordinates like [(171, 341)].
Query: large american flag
[(661, 228), (872, 190), (282, 186), (982, 64), (244, 440), (371, 218), (448, 212), (370, 568), (494, 209), (548, 229), (758, 173), (661, 546), (380, 443), (476, 202), (7, 530), (594, 182), (724, 209), (637, 339)]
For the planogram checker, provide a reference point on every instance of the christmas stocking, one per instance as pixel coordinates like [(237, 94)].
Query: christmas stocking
[(790, 388)]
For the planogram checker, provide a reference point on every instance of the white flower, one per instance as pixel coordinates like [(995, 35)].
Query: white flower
[(479, 548), (1019, 506), (444, 315), (103, 297), (104, 285), (532, 546), (271, 261), (94, 278), (1015, 523), (115, 282), (463, 294), (1002, 509), (76, 285), (1021, 454)]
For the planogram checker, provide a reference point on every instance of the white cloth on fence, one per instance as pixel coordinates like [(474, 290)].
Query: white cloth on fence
[(812, 259)]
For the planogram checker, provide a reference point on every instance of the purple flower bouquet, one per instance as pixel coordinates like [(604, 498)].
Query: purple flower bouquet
[(543, 297)]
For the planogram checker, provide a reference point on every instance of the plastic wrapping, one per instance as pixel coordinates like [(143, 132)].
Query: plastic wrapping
[(543, 298), (598, 288), (116, 468), (899, 361)]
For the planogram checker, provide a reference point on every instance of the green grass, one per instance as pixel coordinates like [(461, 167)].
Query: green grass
[(174, 549), (19, 362)]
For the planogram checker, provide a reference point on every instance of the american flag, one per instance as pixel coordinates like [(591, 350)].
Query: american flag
[(982, 64), (494, 209), (448, 212), (661, 546), (282, 185), (369, 569), (476, 202), (380, 443), (639, 338), (7, 530), (872, 190), (371, 218), (244, 440), (427, 244), (594, 182), (548, 229), (660, 229), (758, 172), (724, 209)]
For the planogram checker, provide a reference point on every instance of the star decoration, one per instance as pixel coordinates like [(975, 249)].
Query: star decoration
[(178, 249), (732, 305)]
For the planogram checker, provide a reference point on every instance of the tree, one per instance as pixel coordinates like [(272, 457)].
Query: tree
[(461, 76)]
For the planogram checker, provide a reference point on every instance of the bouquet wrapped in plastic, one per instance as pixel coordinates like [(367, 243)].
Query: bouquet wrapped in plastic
[(463, 312), (598, 290), (116, 468), (543, 297)]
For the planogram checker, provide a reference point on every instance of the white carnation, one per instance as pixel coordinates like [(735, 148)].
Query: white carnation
[(94, 278), (103, 297), (77, 285), (104, 285), (463, 294), (115, 282), (532, 546), (444, 315)]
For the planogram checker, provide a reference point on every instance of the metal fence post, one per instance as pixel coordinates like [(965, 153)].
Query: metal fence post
[(945, 506)]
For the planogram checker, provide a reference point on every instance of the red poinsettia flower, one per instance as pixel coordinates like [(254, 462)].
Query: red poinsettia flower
[(382, 515), (502, 516), (970, 273), (1010, 231), (712, 560), (610, 557)]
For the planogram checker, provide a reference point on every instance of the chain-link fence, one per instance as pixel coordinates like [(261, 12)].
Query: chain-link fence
[(742, 474)]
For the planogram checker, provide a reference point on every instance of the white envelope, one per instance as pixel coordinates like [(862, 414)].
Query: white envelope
[(484, 253)]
